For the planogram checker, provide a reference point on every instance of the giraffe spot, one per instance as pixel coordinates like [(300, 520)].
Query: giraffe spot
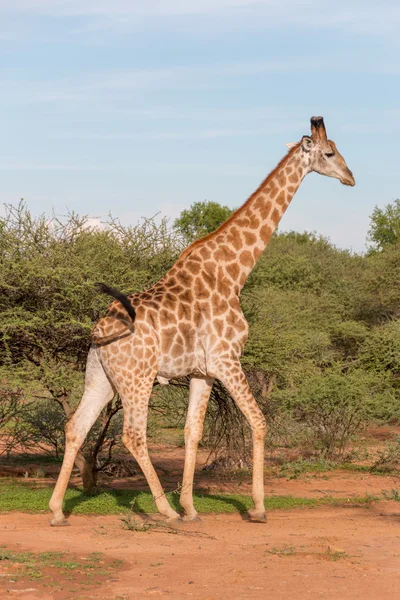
[(212, 245), (197, 316), (281, 198), (257, 253), (224, 345), (254, 224), (289, 169), (205, 310), (170, 297), (219, 326), (205, 252), (259, 201), (139, 353), (265, 233), (184, 277), (225, 287), (186, 296), (265, 210), (234, 238), (224, 254), (188, 333), (274, 191), (177, 289), (241, 325), (177, 350), (231, 318), (154, 304), (193, 267), (180, 340), (184, 312), (200, 291), (167, 317), (249, 238), (243, 222), (275, 216), (246, 258), (219, 304), (282, 180), (233, 270), (167, 339), (293, 178), (230, 333), (209, 278), (195, 258), (291, 189)]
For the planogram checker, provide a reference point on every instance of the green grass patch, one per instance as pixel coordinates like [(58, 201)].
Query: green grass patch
[(25, 498), (51, 566), (294, 469)]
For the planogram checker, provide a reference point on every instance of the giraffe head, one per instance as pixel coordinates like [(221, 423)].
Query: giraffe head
[(322, 155)]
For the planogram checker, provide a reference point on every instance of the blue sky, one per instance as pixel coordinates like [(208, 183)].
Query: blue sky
[(139, 107)]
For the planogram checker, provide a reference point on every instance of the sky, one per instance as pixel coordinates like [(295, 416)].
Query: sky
[(142, 107)]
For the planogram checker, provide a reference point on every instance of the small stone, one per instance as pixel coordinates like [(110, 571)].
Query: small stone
[(336, 549)]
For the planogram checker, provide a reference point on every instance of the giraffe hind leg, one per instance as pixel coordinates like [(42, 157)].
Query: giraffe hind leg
[(98, 392), (135, 396)]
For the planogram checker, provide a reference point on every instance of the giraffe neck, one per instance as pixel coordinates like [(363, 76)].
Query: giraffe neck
[(238, 243)]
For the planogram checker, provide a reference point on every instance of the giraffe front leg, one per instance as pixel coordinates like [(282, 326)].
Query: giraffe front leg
[(200, 389), (233, 378)]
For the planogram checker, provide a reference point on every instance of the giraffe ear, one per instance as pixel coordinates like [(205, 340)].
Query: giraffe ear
[(291, 144)]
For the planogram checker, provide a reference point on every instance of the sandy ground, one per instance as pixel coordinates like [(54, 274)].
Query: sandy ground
[(329, 553)]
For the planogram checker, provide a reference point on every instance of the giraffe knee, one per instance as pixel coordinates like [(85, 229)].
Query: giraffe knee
[(260, 428), (71, 433), (135, 442)]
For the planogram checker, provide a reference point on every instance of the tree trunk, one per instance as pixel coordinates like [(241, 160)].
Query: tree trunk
[(87, 472)]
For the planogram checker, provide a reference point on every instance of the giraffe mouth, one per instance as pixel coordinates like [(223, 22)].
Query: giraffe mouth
[(348, 181)]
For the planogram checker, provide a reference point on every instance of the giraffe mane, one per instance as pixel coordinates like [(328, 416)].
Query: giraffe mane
[(237, 212)]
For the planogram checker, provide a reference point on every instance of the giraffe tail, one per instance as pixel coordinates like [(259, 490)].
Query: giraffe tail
[(106, 289)]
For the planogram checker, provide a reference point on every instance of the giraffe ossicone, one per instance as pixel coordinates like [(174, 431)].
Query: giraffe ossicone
[(190, 323)]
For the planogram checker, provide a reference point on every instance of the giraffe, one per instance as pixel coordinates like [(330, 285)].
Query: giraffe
[(190, 323)]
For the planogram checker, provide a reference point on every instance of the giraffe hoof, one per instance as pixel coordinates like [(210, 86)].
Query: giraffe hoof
[(257, 515), (59, 523), (192, 519), (174, 521)]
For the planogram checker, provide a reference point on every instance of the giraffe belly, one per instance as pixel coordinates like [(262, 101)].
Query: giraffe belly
[(192, 364)]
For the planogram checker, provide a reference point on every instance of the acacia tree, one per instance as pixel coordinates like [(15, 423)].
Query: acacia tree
[(385, 226), (200, 219), (48, 306)]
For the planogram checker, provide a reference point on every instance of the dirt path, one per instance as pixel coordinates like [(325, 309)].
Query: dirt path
[(345, 553)]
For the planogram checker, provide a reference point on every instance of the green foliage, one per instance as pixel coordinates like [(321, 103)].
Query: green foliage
[(385, 226), (323, 354), (336, 405), (48, 306), (200, 219)]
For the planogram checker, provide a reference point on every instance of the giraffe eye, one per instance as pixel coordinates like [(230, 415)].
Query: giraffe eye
[(329, 154)]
